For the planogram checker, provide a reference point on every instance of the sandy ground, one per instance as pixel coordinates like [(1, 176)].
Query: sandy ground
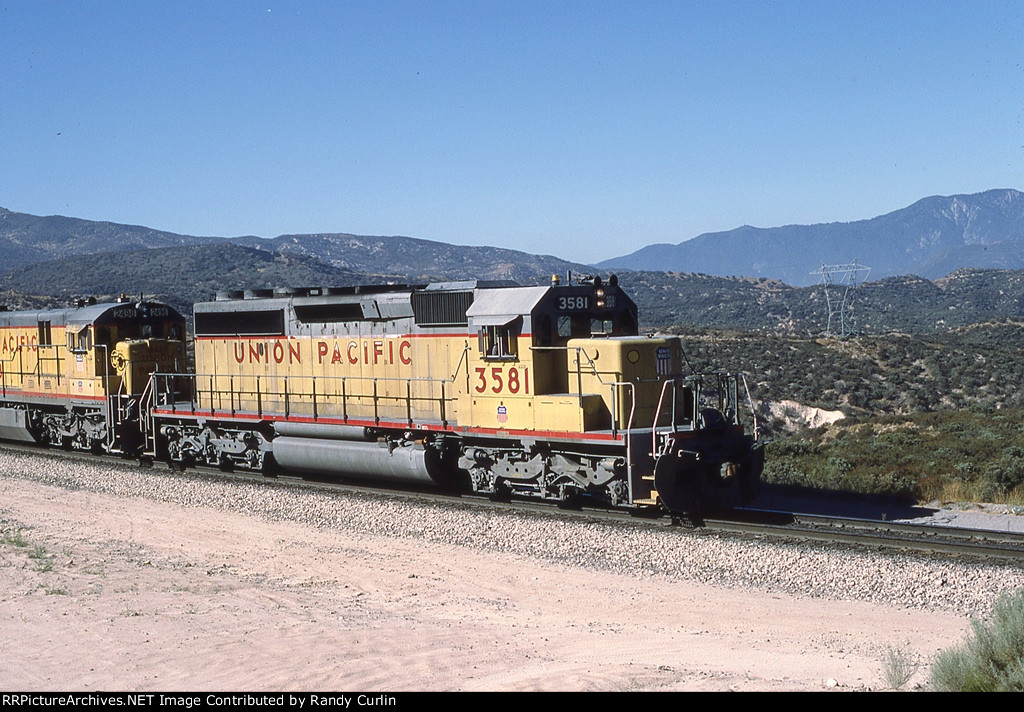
[(130, 594)]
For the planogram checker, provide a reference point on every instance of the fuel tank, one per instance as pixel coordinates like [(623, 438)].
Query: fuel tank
[(408, 463)]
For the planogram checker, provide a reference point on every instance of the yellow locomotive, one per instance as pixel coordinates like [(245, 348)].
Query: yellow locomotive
[(75, 377), (545, 391)]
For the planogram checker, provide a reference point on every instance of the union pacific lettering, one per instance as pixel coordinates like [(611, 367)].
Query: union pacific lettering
[(12, 342), (383, 352), (267, 351)]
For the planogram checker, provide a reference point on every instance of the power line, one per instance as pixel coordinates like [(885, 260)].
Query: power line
[(837, 281)]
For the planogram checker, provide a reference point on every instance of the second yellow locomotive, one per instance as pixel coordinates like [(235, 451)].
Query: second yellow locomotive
[(75, 377), (545, 391)]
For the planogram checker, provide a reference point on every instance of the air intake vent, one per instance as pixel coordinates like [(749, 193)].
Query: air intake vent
[(329, 313), (248, 323), (441, 308)]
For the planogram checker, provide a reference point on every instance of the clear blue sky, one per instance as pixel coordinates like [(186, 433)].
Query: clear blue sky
[(580, 129)]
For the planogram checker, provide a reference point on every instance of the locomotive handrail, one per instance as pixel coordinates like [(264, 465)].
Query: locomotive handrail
[(122, 391), (593, 368), (657, 413), (4, 369), (613, 389), (462, 359), (17, 352), (629, 440), (728, 399), (40, 359), (236, 392), (613, 386), (145, 405), (590, 362), (750, 404), (108, 401)]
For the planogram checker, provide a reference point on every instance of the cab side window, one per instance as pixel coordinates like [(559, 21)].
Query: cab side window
[(498, 342), (80, 342)]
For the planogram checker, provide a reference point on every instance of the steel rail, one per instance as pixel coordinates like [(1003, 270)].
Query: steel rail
[(784, 526)]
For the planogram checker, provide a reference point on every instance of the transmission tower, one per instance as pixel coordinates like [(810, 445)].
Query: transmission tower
[(837, 281)]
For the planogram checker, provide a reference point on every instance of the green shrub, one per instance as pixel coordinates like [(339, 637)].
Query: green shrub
[(939, 455), (1008, 471), (784, 471), (993, 659), (796, 447)]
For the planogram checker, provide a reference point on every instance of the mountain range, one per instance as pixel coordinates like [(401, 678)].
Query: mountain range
[(28, 239), (56, 258), (930, 239)]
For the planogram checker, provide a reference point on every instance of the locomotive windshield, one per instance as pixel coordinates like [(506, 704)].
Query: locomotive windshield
[(121, 322)]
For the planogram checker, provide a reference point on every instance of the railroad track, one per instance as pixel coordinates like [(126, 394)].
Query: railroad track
[(783, 526), (928, 539)]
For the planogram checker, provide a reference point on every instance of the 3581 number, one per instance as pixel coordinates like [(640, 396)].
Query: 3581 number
[(500, 380), (574, 303)]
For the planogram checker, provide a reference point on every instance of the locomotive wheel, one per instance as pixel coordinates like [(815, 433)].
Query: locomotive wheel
[(571, 503), (502, 492), (570, 497)]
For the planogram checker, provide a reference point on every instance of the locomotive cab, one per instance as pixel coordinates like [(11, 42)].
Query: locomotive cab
[(124, 343), (112, 349), (60, 383), (523, 371), (566, 363)]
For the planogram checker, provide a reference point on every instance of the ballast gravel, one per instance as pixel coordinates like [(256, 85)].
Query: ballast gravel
[(810, 570)]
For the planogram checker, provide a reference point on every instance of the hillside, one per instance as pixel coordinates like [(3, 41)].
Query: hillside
[(418, 260), (179, 275), (906, 304), (972, 367), (930, 238), (28, 239), (187, 274)]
